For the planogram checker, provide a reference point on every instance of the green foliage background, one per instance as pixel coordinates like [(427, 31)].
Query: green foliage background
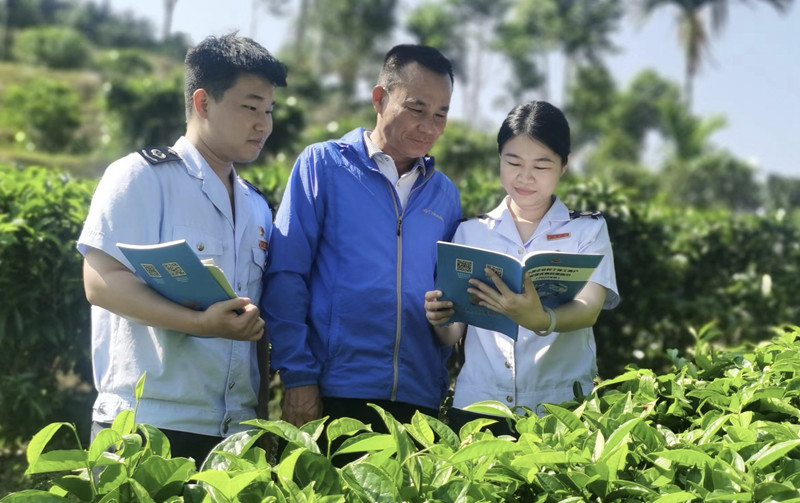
[(697, 236)]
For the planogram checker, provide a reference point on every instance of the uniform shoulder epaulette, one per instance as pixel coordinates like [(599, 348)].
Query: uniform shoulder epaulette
[(573, 214), (473, 218), (159, 155)]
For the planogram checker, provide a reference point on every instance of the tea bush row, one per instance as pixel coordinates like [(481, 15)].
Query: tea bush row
[(723, 427), (676, 268)]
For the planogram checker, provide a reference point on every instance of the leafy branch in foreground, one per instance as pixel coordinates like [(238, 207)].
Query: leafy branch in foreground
[(722, 426)]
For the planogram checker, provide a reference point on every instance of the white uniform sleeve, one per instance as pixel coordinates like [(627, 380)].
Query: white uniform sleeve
[(126, 207), (595, 239)]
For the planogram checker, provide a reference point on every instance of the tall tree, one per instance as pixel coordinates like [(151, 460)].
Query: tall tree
[(275, 7), (479, 20), (169, 10), (580, 30), (338, 39), (435, 24), (693, 28)]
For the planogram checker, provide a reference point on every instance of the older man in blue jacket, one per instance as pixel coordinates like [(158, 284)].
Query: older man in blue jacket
[(354, 251)]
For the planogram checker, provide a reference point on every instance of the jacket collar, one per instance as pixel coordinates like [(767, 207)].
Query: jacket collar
[(354, 142)]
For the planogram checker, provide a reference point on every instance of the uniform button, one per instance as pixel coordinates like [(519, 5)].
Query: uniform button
[(232, 384), (201, 247), (509, 399), (508, 365), (239, 286), (521, 251)]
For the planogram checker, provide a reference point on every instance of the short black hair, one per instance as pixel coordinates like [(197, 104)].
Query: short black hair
[(401, 55), (217, 62), (541, 121)]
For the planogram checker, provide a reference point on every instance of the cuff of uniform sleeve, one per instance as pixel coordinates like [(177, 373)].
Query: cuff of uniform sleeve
[(297, 378)]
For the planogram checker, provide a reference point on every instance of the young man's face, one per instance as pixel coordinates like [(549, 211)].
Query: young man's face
[(413, 115), (241, 121)]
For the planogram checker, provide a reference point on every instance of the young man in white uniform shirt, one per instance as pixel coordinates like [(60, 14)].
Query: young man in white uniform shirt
[(202, 371)]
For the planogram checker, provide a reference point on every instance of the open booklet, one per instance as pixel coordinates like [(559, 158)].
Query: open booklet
[(557, 276), (176, 272)]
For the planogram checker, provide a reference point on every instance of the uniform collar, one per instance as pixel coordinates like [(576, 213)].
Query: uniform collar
[(193, 161), (558, 211), (504, 223), (197, 166)]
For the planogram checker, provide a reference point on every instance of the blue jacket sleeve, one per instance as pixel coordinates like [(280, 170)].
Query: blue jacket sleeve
[(286, 298)]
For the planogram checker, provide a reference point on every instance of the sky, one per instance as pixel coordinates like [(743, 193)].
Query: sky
[(752, 76)]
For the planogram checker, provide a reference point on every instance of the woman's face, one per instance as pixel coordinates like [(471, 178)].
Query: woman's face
[(529, 172)]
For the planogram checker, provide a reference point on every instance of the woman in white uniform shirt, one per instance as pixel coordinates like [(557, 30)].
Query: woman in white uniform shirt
[(554, 348)]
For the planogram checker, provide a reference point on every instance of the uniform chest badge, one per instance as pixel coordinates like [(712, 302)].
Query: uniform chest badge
[(553, 237)]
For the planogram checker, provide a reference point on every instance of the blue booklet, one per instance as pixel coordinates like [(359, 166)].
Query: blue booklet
[(557, 276), (176, 272)]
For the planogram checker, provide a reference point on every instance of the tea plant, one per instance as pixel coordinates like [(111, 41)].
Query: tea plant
[(722, 426)]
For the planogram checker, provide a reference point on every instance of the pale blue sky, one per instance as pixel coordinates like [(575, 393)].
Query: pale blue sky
[(753, 77)]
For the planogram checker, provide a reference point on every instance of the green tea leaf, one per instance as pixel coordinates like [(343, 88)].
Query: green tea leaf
[(728, 496), (569, 419), (784, 406), (677, 497), (370, 483), (139, 389), (447, 436), (488, 447), (164, 477), (403, 444), (649, 436), (421, 430), (550, 483), (285, 469), (317, 469), (235, 444), (111, 478), (474, 426), (78, 487), (34, 496), (367, 442), (627, 376), (41, 439), (774, 491), (454, 491), (777, 451), (657, 476), (687, 457), (124, 423), (491, 408), (105, 438), (619, 436), (740, 434), (287, 431), (58, 461), (157, 442), (631, 491), (218, 479), (131, 445), (345, 426), (315, 428)]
